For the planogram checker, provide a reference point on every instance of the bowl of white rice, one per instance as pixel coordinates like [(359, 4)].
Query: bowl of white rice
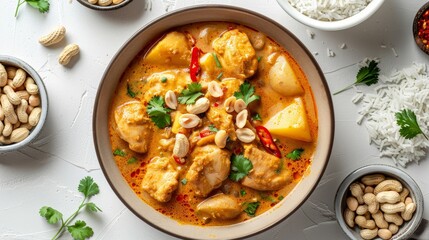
[(330, 15)]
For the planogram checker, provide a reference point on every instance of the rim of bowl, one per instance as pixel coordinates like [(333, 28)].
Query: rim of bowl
[(417, 17), (104, 8), (349, 22), (408, 228), (219, 7), (16, 62)]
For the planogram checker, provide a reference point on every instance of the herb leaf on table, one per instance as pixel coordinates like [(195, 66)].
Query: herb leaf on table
[(407, 120), (366, 75), (41, 5)]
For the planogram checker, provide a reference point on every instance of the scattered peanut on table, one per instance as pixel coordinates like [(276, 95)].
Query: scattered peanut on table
[(19, 104), (378, 206)]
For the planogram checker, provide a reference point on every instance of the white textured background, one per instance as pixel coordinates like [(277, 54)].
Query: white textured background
[(48, 171)]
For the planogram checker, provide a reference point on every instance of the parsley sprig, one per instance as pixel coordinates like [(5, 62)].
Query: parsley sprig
[(41, 5), (240, 167), (295, 154), (246, 93), (407, 120), (190, 94), (79, 230), (367, 75), (158, 113), (251, 208)]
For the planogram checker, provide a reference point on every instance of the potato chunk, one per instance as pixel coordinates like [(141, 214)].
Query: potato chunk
[(283, 79), (219, 206), (291, 122), (173, 50)]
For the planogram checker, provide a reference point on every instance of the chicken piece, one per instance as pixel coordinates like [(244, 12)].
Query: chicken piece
[(209, 169), (173, 50), (222, 120), (231, 85), (133, 126), (161, 179), (267, 173), (175, 80), (219, 206), (236, 54)]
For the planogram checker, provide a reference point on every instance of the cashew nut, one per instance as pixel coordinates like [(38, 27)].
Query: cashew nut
[(220, 138), (181, 146), (170, 99), (214, 89), (200, 106)]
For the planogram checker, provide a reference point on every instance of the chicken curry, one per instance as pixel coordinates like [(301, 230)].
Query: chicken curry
[(213, 124)]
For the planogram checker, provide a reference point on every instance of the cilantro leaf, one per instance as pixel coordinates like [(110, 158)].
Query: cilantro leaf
[(190, 94), (242, 192), (132, 160), (281, 197), (130, 92), (41, 5), (246, 93), (212, 128), (92, 207), (158, 113), (407, 120), (295, 154), (240, 167), (184, 181), (119, 152), (80, 231), (257, 117), (88, 187), (366, 75), (251, 208), (51, 215)]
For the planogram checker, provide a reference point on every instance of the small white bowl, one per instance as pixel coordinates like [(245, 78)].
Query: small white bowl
[(15, 62), (332, 25)]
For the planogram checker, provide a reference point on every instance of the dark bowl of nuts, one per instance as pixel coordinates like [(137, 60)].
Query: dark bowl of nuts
[(421, 28), (104, 5), (379, 202), (23, 104)]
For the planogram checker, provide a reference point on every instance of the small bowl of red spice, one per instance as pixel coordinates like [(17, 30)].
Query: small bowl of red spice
[(421, 28)]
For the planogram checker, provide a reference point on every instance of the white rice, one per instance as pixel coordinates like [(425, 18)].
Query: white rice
[(329, 10), (407, 88)]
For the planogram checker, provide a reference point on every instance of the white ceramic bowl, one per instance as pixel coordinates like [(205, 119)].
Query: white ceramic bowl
[(409, 227), (333, 25), (153, 31), (15, 62)]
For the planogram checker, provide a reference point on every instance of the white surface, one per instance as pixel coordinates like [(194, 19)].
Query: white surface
[(48, 172)]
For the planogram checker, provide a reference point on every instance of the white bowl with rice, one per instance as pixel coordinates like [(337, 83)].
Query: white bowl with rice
[(330, 15)]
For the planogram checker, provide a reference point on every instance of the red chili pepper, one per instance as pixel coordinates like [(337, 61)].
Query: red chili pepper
[(267, 141), (195, 66), (179, 160), (204, 133)]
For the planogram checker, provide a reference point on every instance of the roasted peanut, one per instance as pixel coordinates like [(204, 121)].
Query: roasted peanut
[(200, 106), (1, 127), (370, 200), (4, 140), (3, 75), (11, 72), (393, 228), (384, 234), (104, 2), (30, 86), (373, 179), (171, 99), (352, 203), (1, 114), (392, 208), (229, 104), (8, 110), (408, 200), (368, 233), (189, 120), (7, 130), (19, 78), (73, 49), (388, 197), (245, 135), (19, 134), (181, 146), (21, 111), (368, 189), (93, 1), (388, 185), (357, 192), (362, 222), (55, 36), (220, 138), (239, 105), (349, 217), (241, 119), (379, 220), (362, 209), (11, 95), (34, 117), (117, 1), (34, 100), (404, 194), (214, 89), (393, 218), (23, 95), (407, 214)]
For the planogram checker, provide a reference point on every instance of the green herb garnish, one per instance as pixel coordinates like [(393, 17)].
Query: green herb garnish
[(240, 167), (242, 192), (407, 120), (295, 154), (191, 94), (184, 181), (367, 75), (119, 152), (266, 197), (41, 5), (212, 128), (257, 117), (246, 93), (259, 58), (251, 208), (79, 230), (132, 160), (280, 197), (219, 76), (164, 79), (130, 92), (281, 165), (158, 113), (218, 65)]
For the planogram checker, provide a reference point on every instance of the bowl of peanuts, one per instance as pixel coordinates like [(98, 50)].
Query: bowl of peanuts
[(379, 202), (104, 5), (23, 103)]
